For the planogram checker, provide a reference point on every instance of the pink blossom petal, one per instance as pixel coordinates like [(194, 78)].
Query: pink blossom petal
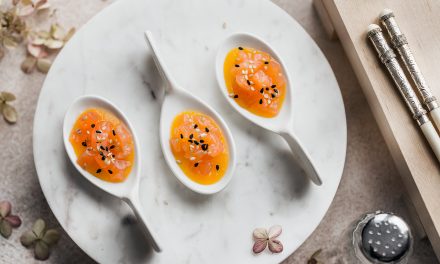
[(275, 231), (37, 51), (275, 246), (259, 246), (14, 220), (5, 208), (260, 234), (41, 4), (25, 10)]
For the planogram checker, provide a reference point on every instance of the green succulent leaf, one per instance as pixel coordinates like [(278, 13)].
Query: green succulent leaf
[(51, 237), (8, 97), (5, 228), (9, 113), (28, 238), (5, 208), (41, 250), (39, 228)]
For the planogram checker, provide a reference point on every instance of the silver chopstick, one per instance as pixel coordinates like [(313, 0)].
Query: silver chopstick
[(399, 42), (388, 58)]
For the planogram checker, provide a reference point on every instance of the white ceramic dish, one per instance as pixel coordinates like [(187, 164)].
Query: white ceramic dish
[(108, 57), (282, 124), (127, 190), (176, 101)]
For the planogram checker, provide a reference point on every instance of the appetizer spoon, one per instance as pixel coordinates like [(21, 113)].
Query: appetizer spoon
[(178, 100), (282, 124), (127, 190)]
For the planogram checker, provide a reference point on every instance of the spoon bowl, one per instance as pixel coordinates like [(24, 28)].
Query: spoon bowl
[(176, 101), (282, 123), (127, 190)]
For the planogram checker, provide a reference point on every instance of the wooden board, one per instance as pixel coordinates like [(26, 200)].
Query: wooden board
[(420, 22)]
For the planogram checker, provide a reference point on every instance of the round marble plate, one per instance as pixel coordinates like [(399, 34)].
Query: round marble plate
[(109, 57)]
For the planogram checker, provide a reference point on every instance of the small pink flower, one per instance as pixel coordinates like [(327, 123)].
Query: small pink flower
[(263, 238), (7, 220)]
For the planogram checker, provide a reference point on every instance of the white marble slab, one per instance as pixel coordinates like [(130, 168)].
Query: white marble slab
[(109, 57)]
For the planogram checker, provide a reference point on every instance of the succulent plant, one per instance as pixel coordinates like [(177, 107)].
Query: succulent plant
[(264, 238), (41, 239), (7, 220)]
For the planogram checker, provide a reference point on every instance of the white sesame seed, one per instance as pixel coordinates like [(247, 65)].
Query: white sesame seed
[(252, 88), (88, 132), (178, 161), (203, 135), (192, 158), (269, 101), (266, 96), (246, 77), (265, 67)]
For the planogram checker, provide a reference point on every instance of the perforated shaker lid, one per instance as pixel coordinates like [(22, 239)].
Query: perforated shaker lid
[(385, 238)]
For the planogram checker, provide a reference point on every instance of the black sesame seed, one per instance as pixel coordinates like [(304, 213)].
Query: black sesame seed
[(217, 167), (112, 146), (273, 86), (262, 90), (275, 90), (240, 48), (93, 125), (248, 82), (102, 148), (261, 101), (205, 147), (236, 65), (191, 136), (106, 148), (266, 62), (110, 171), (181, 136), (236, 96), (84, 144), (98, 131), (113, 155), (196, 164), (195, 126), (196, 142), (101, 153), (114, 132), (201, 141), (273, 95), (98, 170), (190, 141), (206, 129), (103, 158)]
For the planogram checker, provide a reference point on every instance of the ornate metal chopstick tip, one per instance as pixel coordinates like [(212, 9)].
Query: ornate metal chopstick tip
[(400, 43), (388, 58)]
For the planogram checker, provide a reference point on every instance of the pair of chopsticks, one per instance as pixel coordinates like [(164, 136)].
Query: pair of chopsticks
[(388, 57)]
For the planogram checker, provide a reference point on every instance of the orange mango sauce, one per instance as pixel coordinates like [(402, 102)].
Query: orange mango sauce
[(255, 81), (199, 147), (103, 145)]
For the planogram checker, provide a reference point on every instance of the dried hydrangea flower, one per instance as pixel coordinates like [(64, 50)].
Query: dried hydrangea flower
[(7, 220), (312, 259), (8, 111), (41, 239), (264, 238)]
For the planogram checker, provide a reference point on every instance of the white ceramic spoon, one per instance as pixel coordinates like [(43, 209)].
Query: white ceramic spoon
[(127, 190), (178, 100), (282, 124)]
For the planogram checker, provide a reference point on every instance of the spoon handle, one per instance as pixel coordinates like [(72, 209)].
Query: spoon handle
[(302, 156), (170, 84), (134, 203)]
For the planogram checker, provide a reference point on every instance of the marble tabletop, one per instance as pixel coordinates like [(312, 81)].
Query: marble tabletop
[(370, 180)]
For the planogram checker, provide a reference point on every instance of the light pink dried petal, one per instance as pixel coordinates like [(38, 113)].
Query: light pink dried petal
[(28, 65), (260, 234), (275, 231), (69, 34), (37, 51), (41, 4), (275, 246), (5, 208), (53, 44), (25, 10), (14, 220), (259, 246), (37, 41)]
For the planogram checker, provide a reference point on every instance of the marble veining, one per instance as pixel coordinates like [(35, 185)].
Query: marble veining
[(109, 57)]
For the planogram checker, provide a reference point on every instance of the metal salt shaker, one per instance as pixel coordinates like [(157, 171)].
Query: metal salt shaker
[(382, 238)]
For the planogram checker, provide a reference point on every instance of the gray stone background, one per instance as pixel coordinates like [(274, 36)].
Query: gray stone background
[(370, 180)]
